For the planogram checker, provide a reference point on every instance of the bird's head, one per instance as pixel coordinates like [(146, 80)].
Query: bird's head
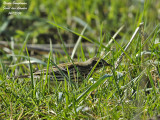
[(100, 62)]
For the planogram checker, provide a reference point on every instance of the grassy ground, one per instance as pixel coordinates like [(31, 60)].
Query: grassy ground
[(132, 92)]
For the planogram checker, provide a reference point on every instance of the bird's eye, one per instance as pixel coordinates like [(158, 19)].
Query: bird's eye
[(101, 63)]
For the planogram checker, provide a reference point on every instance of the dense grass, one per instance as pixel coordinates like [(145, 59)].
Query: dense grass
[(130, 91)]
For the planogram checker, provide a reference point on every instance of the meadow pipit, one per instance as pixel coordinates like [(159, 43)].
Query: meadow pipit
[(76, 70)]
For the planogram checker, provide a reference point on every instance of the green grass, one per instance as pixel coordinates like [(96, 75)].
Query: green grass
[(132, 92)]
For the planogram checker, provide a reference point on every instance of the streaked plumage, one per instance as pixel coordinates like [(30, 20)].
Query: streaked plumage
[(83, 69)]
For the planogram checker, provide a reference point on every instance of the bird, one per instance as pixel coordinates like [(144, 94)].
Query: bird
[(72, 70)]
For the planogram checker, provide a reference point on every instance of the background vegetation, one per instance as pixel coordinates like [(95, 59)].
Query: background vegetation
[(132, 92)]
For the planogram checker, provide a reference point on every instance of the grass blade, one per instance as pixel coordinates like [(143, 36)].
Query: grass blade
[(77, 43), (31, 71), (92, 87)]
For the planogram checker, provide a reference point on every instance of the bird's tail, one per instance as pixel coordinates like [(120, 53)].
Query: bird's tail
[(22, 76)]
